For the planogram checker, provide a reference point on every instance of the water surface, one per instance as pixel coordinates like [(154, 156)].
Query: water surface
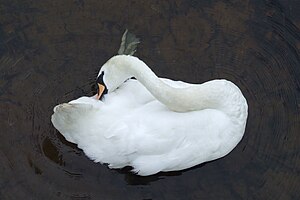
[(51, 52)]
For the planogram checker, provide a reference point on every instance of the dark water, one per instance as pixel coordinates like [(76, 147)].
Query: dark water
[(51, 52)]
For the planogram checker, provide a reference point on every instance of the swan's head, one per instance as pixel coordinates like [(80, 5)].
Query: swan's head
[(112, 74)]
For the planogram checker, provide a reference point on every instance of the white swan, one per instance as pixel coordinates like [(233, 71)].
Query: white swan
[(153, 124)]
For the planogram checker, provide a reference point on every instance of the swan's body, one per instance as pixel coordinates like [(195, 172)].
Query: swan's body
[(154, 124)]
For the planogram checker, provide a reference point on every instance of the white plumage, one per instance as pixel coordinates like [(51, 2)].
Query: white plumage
[(154, 124)]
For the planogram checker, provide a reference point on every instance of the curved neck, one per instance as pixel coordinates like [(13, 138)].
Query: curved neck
[(190, 98), (148, 78)]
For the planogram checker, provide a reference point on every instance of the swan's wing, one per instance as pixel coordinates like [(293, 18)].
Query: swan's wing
[(174, 141), (72, 120), (130, 95), (94, 130)]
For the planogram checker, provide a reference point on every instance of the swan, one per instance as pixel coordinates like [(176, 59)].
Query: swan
[(153, 124)]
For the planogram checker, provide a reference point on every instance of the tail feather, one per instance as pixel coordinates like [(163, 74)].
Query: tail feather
[(148, 165), (69, 119)]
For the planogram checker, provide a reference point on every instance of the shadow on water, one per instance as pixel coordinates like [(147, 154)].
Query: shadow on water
[(51, 151), (50, 52), (133, 179)]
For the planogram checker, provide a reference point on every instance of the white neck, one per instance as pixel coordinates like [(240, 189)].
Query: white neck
[(194, 97)]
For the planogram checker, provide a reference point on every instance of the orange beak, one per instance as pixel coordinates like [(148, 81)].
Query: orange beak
[(101, 89)]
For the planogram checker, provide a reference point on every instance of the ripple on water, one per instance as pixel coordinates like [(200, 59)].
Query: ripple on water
[(50, 52)]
